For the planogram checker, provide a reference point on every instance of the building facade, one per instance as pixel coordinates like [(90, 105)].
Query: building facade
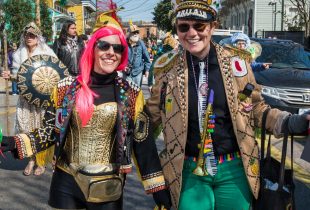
[(256, 16), (82, 12), (147, 30)]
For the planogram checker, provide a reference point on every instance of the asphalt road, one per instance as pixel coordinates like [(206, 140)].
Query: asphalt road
[(18, 192)]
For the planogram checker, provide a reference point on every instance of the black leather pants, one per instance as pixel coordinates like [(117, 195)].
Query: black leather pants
[(66, 194)]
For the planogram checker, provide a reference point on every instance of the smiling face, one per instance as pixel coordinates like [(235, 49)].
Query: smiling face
[(106, 61), (197, 38)]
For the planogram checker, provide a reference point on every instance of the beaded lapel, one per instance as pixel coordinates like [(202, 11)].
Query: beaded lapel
[(182, 70)]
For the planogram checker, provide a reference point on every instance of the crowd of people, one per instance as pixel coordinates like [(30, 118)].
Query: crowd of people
[(98, 121)]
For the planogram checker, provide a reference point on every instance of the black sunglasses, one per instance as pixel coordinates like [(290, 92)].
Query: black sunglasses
[(199, 27), (105, 46)]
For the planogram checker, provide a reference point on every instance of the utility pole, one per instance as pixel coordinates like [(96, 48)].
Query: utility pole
[(38, 19), (275, 16), (282, 15)]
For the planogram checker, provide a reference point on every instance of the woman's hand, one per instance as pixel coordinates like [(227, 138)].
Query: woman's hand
[(6, 74), (162, 199)]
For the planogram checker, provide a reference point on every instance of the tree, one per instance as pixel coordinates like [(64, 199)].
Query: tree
[(17, 15), (16, 21), (46, 21), (302, 18), (163, 15)]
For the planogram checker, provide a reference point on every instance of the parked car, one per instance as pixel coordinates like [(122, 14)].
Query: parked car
[(286, 84)]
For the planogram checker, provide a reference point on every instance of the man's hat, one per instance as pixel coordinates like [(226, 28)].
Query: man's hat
[(197, 9), (132, 27)]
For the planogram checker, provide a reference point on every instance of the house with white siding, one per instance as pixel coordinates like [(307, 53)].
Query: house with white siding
[(255, 16)]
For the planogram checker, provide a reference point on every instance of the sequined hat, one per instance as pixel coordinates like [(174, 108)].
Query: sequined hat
[(32, 28), (197, 9)]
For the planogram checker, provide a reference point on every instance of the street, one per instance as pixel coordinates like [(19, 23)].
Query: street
[(19, 192)]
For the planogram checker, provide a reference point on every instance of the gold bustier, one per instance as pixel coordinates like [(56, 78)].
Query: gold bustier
[(92, 144)]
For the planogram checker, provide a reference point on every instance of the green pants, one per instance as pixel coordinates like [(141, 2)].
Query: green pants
[(227, 190)]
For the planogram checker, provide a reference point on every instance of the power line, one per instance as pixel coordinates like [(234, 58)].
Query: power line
[(137, 6), (147, 10)]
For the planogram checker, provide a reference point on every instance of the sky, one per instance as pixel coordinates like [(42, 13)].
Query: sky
[(136, 9)]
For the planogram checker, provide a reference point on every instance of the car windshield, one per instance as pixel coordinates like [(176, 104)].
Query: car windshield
[(284, 55)]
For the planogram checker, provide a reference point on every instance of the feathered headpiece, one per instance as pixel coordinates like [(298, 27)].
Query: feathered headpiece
[(108, 15)]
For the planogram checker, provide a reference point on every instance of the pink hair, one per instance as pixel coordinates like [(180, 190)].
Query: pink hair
[(85, 96)]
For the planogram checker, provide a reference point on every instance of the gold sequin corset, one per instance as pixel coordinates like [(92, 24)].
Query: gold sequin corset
[(92, 144)]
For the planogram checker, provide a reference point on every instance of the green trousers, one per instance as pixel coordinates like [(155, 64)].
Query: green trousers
[(227, 190)]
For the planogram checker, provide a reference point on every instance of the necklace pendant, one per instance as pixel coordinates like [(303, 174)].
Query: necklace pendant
[(203, 89)]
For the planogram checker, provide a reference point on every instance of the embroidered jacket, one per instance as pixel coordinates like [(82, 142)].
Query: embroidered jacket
[(132, 131), (168, 106)]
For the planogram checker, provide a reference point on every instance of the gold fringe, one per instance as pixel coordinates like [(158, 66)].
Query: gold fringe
[(45, 157)]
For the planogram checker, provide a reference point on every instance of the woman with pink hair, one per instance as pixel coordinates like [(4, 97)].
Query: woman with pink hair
[(96, 121)]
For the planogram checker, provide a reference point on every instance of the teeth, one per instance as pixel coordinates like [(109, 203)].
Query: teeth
[(108, 61), (192, 41)]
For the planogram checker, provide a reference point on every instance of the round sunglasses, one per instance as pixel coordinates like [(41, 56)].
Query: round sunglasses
[(105, 46), (199, 27)]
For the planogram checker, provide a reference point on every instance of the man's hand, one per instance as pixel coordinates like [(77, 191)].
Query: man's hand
[(267, 65), (146, 74), (6, 74), (298, 124)]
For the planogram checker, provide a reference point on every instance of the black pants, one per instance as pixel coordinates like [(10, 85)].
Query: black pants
[(66, 194)]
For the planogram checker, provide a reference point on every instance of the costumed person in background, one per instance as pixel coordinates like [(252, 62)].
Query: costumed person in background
[(68, 47), (242, 41), (209, 104), (29, 116), (95, 122), (13, 48), (169, 44), (138, 56)]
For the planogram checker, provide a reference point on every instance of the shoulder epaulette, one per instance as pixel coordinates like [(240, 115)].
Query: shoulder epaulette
[(165, 62), (244, 54)]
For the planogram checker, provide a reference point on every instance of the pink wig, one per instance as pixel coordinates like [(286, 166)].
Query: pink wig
[(85, 97)]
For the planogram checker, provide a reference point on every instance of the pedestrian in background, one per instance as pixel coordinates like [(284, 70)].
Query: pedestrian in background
[(29, 116), (139, 62), (243, 42), (13, 48), (84, 39), (68, 47)]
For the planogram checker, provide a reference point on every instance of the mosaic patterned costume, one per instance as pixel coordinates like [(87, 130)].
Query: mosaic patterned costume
[(169, 108)]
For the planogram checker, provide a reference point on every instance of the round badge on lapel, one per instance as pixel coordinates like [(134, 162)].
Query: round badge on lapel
[(239, 67), (37, 77)]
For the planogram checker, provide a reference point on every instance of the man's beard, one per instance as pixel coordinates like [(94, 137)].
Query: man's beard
[(134, 38)]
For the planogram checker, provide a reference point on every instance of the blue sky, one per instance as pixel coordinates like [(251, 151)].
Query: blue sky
[(137, 9)]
